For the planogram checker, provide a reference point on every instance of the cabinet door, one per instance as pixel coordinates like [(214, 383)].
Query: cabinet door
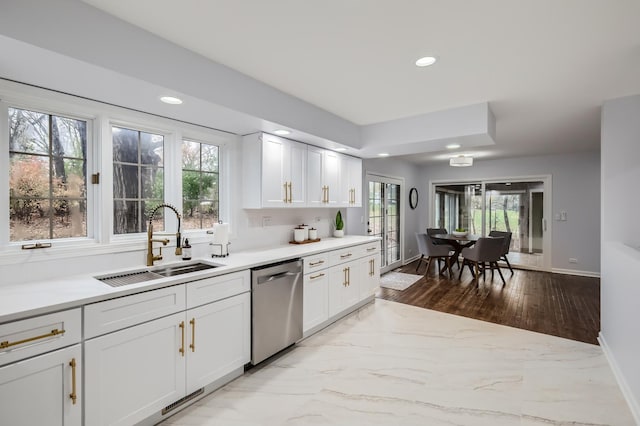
[(219, 340), (315, 299), (38, 391), (350, 181), (315, 185), (295, 165), (344, 291), (134, 373), (369, 275), (331, 177), (273, 174)]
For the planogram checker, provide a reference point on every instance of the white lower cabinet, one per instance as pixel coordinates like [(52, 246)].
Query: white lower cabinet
[(344, 290), (219, 340), (316, 299), (133, 373), (369, 275), (44, 390)]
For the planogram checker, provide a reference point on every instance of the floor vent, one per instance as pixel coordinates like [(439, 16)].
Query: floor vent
[(181, 401)]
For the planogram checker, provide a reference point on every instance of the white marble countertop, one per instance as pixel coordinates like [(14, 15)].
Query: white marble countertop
[(28, 299)]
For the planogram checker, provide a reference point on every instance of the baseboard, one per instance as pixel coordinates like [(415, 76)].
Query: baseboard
[(411, 259), (622, 383), (576, 272)]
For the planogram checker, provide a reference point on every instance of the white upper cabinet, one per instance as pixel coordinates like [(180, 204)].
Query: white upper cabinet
[(274, 172), (350, 181), (278, 172)]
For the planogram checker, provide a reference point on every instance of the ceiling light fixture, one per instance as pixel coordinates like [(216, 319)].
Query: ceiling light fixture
[(383, 154), (172, 100), (461, 161), (282, 132), (341, 149), (426, 61), (453, 146)]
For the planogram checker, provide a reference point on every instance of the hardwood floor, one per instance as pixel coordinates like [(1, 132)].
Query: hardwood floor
[(560, 305)]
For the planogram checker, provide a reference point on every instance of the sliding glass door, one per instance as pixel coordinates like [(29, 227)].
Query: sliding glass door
[(384, 218), (512, 206)]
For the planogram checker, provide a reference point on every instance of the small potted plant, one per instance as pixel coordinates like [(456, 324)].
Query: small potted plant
[(460, 232), (339, 224)]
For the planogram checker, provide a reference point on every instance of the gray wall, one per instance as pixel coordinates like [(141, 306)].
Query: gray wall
[(576, 190), (619, 289)]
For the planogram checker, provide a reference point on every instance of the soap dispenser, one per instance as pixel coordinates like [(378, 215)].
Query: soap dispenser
[(186, 250)]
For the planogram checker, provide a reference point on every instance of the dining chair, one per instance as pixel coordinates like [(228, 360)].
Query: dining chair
[(506, 243), (426, 247), (437, 231), (486, 251)]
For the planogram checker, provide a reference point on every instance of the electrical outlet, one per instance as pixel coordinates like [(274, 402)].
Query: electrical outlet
[(317, 218), (573, 260), (266, 221)]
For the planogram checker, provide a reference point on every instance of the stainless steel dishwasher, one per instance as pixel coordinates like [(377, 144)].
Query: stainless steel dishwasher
[(276, 308)]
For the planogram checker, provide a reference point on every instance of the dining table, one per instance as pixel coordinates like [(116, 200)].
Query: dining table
[(457, 242)]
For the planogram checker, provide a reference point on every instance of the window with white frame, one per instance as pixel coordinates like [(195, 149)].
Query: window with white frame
[(138, 179), (47, 176), (200, 185)]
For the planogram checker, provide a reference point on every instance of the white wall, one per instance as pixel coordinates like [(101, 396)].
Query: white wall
[(620, 289), (576, 190)]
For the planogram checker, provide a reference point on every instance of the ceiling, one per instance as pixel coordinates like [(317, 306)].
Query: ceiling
[(544, 66)]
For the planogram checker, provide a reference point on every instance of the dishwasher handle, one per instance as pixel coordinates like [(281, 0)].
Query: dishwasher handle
[(266, 279)]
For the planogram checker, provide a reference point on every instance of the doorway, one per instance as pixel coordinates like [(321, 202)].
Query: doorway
[(384, 218), (516, 205)]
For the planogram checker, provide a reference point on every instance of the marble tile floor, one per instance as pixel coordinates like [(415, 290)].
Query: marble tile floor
[(394, 364)]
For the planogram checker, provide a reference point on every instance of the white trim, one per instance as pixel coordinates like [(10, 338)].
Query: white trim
[(411, 259), (634, 407), (575, 272)]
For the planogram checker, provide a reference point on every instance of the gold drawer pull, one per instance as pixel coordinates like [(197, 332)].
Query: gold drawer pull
[(372, 248), (319, 262), (286, 192), (344, 256), (316, 276), (181, 350), (7, 344), (73, 395), (193, 334)]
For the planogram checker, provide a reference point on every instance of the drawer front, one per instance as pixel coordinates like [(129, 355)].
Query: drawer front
[(211, 289), (35, 336), (371, 248), (116, 314), (337, 257), (315, 262)]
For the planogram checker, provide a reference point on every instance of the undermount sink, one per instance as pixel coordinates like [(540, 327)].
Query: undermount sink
[(134, 277)]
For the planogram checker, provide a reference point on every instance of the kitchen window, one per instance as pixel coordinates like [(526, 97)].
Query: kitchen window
[(47, 176), (200, 185), (138, 179)]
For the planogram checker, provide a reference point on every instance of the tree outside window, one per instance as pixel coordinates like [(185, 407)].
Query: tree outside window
[(47, 176), (200, 185)]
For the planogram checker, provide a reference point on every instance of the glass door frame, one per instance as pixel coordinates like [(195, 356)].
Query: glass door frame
[(401, 203), (547, 210)]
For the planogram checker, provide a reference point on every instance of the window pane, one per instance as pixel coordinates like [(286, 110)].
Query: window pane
[(209, 158), (209, 182), (190, 155), (126, 217), (70, 218), (152, 182), (69, 137), (125, 181), (36, 225), (28, 131), (158, 219), (125, 145), (200, 189), (151, 148)]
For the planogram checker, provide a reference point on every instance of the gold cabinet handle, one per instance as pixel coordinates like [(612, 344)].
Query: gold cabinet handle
[(348, 277), (313, 277), (324, 194), (372, 249), (8, 344), (344, 256), (285, 192), (327, 193), (344, 283), (290, 193), (181, 350), (319, 262), (372, 267), (193, 334), (73, 395)]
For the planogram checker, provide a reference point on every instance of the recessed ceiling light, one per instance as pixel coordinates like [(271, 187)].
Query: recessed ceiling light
[(171, 100), (508, 183), (383, 154), (341, 149), (282, 132), (453, 146), (426, 61)]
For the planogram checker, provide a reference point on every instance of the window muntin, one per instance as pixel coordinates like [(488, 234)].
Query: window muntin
[(138, 179), (47, 176), (200, 185)]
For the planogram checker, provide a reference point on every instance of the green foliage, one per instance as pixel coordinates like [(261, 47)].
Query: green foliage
[(461, 230), (339, 223), (195, 186)]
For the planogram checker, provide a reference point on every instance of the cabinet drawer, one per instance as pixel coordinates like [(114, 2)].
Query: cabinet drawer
[(116, 314), (337, 257), (371, 248), (211, 289), (315, 262), (34, 336)]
